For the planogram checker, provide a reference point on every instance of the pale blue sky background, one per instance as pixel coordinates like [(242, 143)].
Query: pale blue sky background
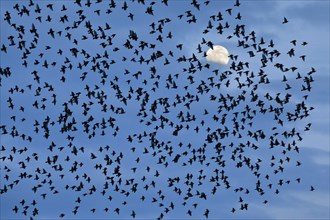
[(308, 21)]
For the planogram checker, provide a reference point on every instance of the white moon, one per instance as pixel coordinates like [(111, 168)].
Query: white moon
[(219, 55)]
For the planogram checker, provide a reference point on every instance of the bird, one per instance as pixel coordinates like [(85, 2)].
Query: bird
[(285, 20)]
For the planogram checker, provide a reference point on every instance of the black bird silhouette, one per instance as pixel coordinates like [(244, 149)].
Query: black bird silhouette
[(285, 20)]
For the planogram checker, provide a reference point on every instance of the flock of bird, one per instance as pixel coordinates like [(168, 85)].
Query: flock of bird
[(108, 119)]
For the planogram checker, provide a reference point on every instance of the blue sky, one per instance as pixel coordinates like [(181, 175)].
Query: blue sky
[(308, 22)]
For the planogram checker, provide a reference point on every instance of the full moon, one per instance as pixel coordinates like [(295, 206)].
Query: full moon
[(218, 54)]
